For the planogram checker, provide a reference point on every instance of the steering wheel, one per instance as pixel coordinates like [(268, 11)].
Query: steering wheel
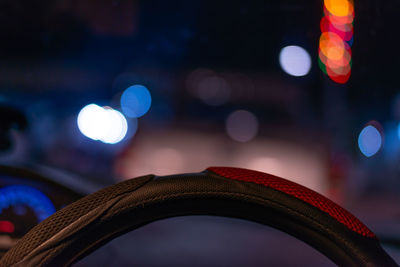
[(75, 231)]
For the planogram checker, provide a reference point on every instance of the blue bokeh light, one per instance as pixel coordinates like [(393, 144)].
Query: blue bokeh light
[(15, 195), (398, 130), (369, 141), (135, 101)]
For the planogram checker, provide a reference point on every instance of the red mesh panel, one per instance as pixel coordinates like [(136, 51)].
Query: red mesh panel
[(298, 191)]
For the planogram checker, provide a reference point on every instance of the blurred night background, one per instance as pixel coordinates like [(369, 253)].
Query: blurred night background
[(117, 89)]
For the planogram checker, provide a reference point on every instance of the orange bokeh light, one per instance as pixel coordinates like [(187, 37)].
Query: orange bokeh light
[(331, 45), (336, 31), (339, 8), (341, 62)]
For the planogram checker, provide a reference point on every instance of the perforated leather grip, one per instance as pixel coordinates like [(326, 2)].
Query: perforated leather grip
[(302, 193), (83, 226)]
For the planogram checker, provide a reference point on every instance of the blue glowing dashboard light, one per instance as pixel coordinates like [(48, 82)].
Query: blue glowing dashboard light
[(25, 195)]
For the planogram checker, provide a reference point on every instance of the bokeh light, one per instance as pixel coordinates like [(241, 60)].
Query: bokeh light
[(369, 141), (91, 121), (295, 60), (213, 90), (209, 87), (102, 124), (242, 126), (195, 77), (398, 130), (117, 127), (336, 39), (339, 8), (135, 101)]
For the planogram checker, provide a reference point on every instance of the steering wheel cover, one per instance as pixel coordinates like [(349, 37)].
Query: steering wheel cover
[(92, 221)]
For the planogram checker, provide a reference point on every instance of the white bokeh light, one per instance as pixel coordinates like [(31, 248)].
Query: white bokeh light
[(91, 121), (103, 124), (295, 60), (117, 127)]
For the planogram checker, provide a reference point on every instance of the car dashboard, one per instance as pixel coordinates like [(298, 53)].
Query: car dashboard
[(26, 199)]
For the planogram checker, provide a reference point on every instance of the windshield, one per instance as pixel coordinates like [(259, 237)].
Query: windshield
[(305, 90)]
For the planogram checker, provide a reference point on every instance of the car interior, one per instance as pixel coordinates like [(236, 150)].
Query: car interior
[(199, 133)]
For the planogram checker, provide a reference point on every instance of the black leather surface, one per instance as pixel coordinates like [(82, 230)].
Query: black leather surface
[(197, 194)]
